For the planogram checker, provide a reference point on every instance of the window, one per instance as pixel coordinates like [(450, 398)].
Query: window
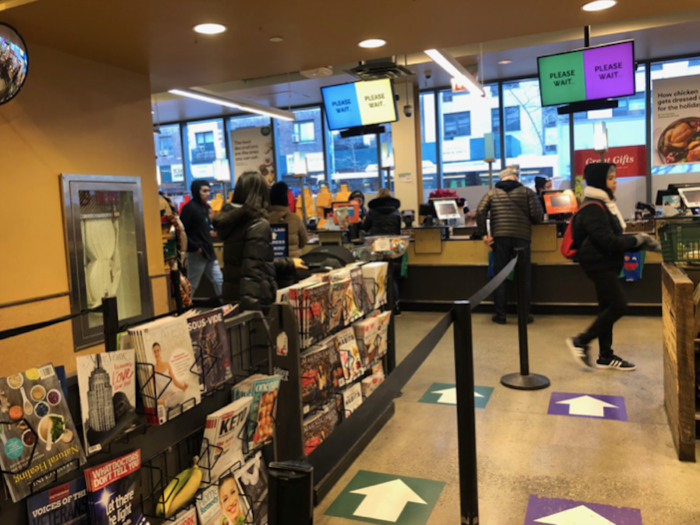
[(353, 162), (206, 152), (304, 132), (512, 117), (428, 143), (171, 178), (458, 125), (304, 155), (166, 146)]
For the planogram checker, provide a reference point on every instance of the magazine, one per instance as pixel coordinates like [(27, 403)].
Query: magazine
[(111, 491), (221, 504), (337, 376), (349, 354), (317, 428), (366, 332), (186, 517), (211, 349), (352, 399), (318, 311), (370, 384), (253, 485), (263, 411), (315, 377), (375, 283), (66, 504), (383, 321), (166, 359), (358, 289), (107, 385), (42, 444), (222, 446), (336, 304)]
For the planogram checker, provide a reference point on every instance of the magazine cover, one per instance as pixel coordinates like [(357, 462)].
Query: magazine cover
[(111, 491), (166, 346), (352, 399), (222, 446), (253, 482), (317, 429), (370, 384), (336, 366), (366, 335), (315, 377), (66, 504), (211, 349), (383, 320), (318, 311), (263, 389), (35, 401), (222, 504), (336, 305), (107, 385), (186, 517), (349, 354), (375, 283), (358, 289)]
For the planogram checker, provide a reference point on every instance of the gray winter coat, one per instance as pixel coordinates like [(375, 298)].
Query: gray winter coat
[(514, 209)]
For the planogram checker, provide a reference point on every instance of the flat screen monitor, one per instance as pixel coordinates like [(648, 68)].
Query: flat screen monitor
[(359, 104), (446, 209), (557, 202), (593, 73), (346, 213), (690, 196)]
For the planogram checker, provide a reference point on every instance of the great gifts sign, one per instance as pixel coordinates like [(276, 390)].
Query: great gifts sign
[(631, 161)]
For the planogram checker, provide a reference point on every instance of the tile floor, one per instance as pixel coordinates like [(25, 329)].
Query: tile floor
[(523, 451)]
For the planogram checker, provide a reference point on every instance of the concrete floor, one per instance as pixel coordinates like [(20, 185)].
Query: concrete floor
[(522, 451)]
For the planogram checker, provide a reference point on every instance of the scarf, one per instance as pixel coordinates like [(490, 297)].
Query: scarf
[(602, 195)]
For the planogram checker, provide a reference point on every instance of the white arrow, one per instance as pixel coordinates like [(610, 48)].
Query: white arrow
[(586, 406), (386, 501), (449, 396), (580, 515)]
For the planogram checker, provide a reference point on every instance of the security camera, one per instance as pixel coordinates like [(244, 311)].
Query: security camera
[(408, 110), (428, 74)]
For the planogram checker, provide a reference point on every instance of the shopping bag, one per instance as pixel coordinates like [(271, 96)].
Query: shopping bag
[(633, 266)]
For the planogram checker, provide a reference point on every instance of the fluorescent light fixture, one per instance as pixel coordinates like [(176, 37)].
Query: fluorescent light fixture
[(372, 43), (455, 69), (599, 5), (209, 29), (276, 39), (234, 103), (505, 62)]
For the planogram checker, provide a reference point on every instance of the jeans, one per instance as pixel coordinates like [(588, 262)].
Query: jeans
[(503, 252), (612, 305), (197, 265)]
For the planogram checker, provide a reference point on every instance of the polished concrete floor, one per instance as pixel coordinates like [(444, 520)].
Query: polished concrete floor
[(522, 451)]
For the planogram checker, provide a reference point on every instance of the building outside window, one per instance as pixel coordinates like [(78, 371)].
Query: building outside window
[(428, 127), (353, 162), (299, 149), (168, 147), (206, 152)]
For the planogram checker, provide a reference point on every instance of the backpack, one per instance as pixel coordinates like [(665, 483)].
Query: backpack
[(567, 243)]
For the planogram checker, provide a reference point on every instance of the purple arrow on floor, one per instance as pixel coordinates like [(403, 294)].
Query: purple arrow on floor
[(549, 511), (588, 405)]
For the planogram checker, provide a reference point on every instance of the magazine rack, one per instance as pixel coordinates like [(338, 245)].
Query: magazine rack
[(289, 442)]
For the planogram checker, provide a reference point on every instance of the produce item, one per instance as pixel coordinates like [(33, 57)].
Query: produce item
[(16, 413), (38, 392), (42, 409), (180, 491), (15, 381), (54, 397)]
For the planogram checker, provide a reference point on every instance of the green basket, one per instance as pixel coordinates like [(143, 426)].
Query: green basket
[(680, 242)]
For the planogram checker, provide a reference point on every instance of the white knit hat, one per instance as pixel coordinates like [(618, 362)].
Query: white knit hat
[(508, 174)]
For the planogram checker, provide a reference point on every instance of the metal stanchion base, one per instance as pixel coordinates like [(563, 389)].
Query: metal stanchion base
[(521, 382)]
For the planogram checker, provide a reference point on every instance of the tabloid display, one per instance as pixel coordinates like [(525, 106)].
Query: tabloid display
[(587, 74), (359, 104)]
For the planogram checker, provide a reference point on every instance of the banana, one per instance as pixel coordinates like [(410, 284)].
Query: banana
[(175, 486), (186, 493)]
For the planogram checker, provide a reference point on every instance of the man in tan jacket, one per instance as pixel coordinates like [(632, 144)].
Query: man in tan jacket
[(280, 213)]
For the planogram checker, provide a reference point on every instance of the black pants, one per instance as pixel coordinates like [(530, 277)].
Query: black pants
[(612, 305), (503, 252)]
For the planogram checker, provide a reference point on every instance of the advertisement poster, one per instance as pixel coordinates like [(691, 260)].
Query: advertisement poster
[(676, 138), (631, 161), (280, 244), (253, 150)]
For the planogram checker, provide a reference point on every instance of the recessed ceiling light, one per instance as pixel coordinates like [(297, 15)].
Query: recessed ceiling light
[(598, 5), (505, 62), (372, 43), (209, 29), (277, 39)]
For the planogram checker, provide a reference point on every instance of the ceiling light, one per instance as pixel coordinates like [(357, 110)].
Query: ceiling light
[(455, 69), (505, 62), (235, 103), (372, 43), (277, 39), (209, 29), (598, 5)]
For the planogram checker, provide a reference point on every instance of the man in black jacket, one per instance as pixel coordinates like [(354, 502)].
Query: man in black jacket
[(201, 258), (513, 210), (383, 217)]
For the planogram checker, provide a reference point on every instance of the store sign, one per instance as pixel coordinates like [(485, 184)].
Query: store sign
[(359, 104), (253, 150), (457, 86), (676, 138), (280, 239), (631, 161)]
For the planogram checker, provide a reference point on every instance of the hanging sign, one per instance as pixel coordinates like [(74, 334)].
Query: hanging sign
[(631, 161), (676, 138), (253, 150), (280, 239)]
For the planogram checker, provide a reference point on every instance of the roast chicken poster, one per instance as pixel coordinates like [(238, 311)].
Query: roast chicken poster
[(676, 121)]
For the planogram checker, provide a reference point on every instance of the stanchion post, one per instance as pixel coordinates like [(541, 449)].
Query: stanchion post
[(391, 304), (110, 323), (523, 380), (466, 423), (175, 286)]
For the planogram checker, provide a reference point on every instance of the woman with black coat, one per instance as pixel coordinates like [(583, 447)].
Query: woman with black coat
[(359, 197), (250, 269), (383, 217), (598, 232)]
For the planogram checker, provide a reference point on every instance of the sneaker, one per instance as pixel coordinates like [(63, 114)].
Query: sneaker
[(498, 320), (579, 351), (615, 363)]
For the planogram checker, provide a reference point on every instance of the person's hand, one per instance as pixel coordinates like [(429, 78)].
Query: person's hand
[(488, 241), (299, 264), (642, 239)]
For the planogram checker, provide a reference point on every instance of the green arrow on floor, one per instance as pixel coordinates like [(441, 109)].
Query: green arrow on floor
[(446, 394)]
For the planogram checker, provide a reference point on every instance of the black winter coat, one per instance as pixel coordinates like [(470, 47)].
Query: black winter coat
[(383, 217), (599, 238), (514, 209), (249, 264), (195, 219)]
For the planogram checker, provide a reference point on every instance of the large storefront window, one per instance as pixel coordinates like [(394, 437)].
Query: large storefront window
[(206, 158), (536, 138), (428, 138), (171, 176), (353, 162), (465, 124), (299, 149)]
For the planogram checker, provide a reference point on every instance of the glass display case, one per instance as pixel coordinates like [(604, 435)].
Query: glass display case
[(106, 247)]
